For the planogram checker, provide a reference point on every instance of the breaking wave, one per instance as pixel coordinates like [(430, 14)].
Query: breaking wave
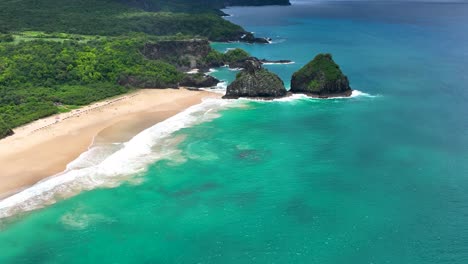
[(108, 166)]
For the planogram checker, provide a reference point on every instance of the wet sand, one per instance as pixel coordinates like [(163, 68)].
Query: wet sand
[(44, 148)]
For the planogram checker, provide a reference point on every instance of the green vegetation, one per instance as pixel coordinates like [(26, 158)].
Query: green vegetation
[(323, 64), (4, 129), (109, 18), (67, 108), (60, 37), (38, 76), (197, 6), (57, 55), (257, 2), (214, 58), (234, 55), (6, 38), (321, 76), (314, 86), (218, 58), (255, 81)]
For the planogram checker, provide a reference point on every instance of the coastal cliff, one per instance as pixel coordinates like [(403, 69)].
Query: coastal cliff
[(197, 53), (257, 82), (321, 77), (101, 49), (184, 54), (240, 63), (199, 80)]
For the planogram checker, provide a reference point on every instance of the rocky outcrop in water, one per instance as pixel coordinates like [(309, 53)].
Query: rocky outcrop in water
[(321, 77), (197, 53), (257, 82), (240, 63), (250, 38), (199, 80)]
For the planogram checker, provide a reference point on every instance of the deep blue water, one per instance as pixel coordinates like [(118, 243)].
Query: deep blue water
[(377, 178)]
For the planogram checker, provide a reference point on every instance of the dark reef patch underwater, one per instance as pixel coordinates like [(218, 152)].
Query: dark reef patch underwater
[(376, 178)]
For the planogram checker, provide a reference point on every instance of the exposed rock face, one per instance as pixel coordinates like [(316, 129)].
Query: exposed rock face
[(184, 54), (250, 38), (263, 61), (190, 54), (199, 81), (254, 81), (321, 77), (241, 63)]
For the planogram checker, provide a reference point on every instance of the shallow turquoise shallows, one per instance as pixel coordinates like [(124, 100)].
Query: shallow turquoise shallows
[(381, 177)]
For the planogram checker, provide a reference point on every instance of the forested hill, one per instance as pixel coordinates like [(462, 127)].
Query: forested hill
[(56, 55), (257, 2), (198, 5), (110, 18)]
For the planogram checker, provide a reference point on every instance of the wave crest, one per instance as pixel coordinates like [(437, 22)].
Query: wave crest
[(109, 166)]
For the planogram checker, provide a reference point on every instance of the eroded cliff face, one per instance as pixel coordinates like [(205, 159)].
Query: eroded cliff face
[(199, 80), (255, 82), (240, 63), (184, 54), (321, 77)]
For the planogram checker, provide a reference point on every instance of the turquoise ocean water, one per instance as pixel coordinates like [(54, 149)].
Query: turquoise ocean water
[(381, 177)]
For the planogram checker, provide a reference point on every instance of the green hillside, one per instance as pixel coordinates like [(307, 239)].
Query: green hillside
[(56, 55), (109, 18)]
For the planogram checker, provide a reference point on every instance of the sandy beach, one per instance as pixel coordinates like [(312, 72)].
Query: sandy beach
[(43, 148)]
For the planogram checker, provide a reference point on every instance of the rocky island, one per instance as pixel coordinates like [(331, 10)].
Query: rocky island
[(255, 82), (322, 78), (194, 54)]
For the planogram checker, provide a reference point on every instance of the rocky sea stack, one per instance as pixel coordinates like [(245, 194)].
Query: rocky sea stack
[(257, 82), (199, 80), (321, 77)]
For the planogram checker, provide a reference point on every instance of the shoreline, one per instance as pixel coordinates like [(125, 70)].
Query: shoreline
[(46, 146)]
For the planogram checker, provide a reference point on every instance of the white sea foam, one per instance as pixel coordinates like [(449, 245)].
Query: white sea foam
[(109, 166), (357, 93), (354, 94), (78, 220), (277, 40), (95, 155), (290, 98), (220, 88), (222, 85), (296, 97), (278, 63)]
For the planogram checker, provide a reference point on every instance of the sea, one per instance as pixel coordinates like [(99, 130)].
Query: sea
[(379, 177)]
